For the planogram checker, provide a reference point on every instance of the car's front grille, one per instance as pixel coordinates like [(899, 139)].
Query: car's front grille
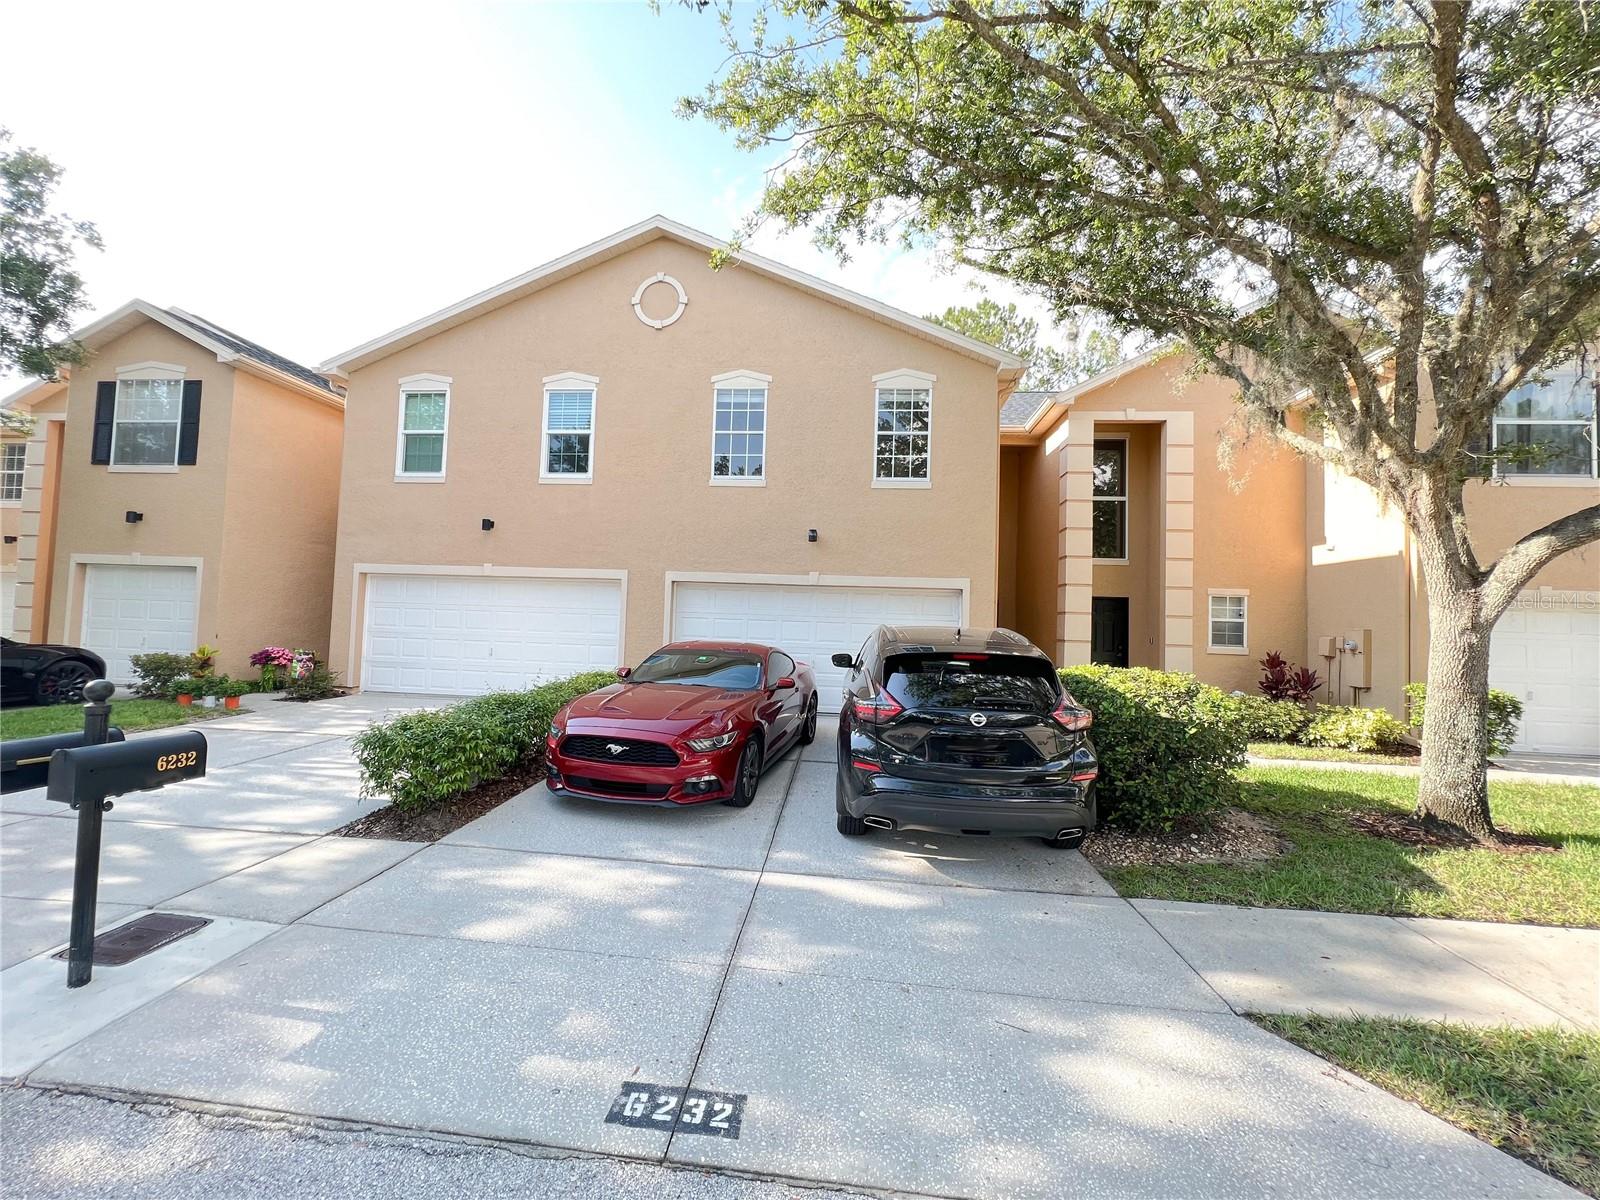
[(617, 787), (627, 751)]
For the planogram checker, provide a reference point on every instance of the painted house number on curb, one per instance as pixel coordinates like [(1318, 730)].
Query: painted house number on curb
[(651, 1106)]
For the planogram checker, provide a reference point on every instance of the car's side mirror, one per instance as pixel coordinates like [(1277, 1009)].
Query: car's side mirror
[(783, 685), (624, 672), (844, 660)]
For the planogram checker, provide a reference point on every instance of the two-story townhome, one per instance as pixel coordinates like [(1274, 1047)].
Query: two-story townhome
[(179, 488), (24, 489), (625, 446)]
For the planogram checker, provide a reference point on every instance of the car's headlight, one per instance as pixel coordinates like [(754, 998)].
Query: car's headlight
[(714, 743), (556, 730)]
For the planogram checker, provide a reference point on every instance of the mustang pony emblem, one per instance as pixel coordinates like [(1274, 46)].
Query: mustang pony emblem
[(615, 747)]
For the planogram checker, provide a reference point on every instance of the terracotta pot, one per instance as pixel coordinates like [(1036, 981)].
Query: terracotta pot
[(230, 702), (185, 698)]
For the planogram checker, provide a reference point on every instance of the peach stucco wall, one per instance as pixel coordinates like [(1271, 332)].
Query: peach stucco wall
[(651, 509)]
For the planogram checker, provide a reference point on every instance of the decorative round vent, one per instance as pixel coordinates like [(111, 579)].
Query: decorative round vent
[(638, 297)]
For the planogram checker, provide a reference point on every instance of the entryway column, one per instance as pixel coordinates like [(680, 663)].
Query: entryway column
[(1177, 567), (1075, 573)]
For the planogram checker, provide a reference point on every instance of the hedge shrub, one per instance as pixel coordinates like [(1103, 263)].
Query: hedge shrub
[(1368, 729), (423, 759), (1505, 714), (156, 675), (1168, 744), (1259, 719)]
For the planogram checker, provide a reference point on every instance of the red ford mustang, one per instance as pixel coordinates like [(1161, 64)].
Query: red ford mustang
[(694, 722)]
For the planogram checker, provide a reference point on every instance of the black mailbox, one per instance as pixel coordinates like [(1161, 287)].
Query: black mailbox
[(25, 762), (90, 774)]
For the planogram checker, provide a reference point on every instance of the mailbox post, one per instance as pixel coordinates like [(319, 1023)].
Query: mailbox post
[(85, 776)]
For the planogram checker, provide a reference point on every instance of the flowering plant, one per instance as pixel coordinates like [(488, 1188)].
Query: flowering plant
[(302, 664), (271, 660)]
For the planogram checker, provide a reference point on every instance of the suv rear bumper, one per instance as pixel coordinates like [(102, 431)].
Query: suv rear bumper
[(908, 808)]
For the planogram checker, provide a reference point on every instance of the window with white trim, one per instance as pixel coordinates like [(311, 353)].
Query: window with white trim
[(144, 430), (13, 455), (903, 431), (424, 427), (568, 428), (1111, 499), (1550, 424), (1229, 615), (739, 432)]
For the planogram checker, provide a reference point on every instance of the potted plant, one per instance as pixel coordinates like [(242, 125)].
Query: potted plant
[(202, 660), (274, 662), (186, 689), (208, 689), (231, 690)]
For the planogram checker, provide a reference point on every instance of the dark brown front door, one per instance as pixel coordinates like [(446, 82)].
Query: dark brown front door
[(1109, 631)]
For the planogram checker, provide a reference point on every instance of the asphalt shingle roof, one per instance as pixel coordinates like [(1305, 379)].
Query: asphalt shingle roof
[(251, 349), (1020, 408)]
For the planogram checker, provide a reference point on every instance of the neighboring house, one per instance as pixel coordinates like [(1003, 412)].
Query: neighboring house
[(180, 488), (25, 482), (1133, 545), (625, 446)]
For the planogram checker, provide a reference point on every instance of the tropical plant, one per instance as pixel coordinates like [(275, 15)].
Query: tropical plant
[(202, 660), (273, 662), (1282, 680)]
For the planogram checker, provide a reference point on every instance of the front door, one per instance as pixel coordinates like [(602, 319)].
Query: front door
[(1109, 638)]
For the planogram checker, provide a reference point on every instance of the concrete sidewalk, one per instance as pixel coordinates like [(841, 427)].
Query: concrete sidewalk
[(1507, 768), (948, 1016)]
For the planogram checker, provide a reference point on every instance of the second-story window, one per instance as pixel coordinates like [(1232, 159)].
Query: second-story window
[(568, 429), (902, 447), (424, 427), (13, 455), (1111, 499), (145, 429), (1547, 427), (739, 428)]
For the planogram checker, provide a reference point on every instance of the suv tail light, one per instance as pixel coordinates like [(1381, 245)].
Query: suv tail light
[(1068, 715), (878, 708)]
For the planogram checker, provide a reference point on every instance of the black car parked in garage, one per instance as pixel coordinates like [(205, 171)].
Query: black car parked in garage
[(40, 674), (962, 731)]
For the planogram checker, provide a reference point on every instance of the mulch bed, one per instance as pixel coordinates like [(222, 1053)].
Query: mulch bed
[(1398, 827), (390, 823), (1231, 836)]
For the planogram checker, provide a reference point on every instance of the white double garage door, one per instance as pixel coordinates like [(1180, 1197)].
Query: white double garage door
[(463, 634)]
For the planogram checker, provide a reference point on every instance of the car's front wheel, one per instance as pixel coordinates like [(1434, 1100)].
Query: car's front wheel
[(62, 682), (748, 777)]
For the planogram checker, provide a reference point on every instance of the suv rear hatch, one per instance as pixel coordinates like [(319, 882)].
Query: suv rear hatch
[(973, 718)]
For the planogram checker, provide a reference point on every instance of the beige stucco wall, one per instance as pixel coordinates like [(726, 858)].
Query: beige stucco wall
[(258, 519), (10, 517), (651, 509)]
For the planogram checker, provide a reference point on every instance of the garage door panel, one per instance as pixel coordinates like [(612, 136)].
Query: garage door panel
[(1549, 658), (133, 609), (464, 635), (811, 623)]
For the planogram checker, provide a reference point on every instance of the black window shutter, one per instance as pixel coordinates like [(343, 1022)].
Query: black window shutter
[(189, 429), (105, 410)]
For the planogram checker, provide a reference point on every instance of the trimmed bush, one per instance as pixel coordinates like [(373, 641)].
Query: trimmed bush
[(156, 675), (316, 683), (1168, 744), (1368, 729), (424, 759), (1259, 719), (1505, 714)]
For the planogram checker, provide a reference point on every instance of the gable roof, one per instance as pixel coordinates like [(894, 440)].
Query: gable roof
[(1021, 408), (35, 390), (229, 348), (1009, 365)]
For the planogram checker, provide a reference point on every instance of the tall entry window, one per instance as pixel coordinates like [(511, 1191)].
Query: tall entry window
[(1111, 499)]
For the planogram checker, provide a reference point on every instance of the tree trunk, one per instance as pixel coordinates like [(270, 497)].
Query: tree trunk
[(1454, 788)]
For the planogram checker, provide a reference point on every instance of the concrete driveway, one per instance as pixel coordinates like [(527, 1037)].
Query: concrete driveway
[(739, 989)]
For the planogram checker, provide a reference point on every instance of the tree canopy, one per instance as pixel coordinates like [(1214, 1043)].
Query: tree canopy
[(1053, 362)]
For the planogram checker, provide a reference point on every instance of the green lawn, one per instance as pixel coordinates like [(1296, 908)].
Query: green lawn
[(126, 714), (1335, 868), (1532, 1093), (1328, 754)]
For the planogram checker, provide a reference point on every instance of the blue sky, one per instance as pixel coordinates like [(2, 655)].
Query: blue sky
[(312, 175)]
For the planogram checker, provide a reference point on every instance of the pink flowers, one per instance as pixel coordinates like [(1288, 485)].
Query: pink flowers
[(280, 664), (272, 656)]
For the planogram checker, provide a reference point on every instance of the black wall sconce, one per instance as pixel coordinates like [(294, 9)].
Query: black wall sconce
[(11, 539), (132, 518), (488, 524), (811, 535)]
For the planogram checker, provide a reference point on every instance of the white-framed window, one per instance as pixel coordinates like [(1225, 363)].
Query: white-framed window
[(149, 409), (1111, 499), (902, 439), (1229, 622), (1553, 421), (13, 456), (567, 430), (423, 437), (739, 428)]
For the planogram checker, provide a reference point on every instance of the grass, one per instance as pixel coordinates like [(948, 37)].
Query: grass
[(1335, 868), (1534, 1093), (126, 714), (1328, 754)]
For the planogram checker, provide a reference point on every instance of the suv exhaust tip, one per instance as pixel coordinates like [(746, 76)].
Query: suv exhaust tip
[(1069, 837), (878, 822)]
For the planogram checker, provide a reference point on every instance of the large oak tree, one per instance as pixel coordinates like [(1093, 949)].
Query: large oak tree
[(1406, 190)]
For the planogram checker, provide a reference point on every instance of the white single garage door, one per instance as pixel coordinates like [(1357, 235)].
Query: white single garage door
[(130, 610), (1547, 654), (463, 635), (809, 622)]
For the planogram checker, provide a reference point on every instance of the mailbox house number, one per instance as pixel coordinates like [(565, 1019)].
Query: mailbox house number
[(176, 762)]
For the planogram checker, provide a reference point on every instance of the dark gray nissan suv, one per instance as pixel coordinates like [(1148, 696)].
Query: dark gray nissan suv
[(962, 731)]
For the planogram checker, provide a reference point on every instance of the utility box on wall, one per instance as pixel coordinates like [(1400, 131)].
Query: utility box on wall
[(1357, 650)]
